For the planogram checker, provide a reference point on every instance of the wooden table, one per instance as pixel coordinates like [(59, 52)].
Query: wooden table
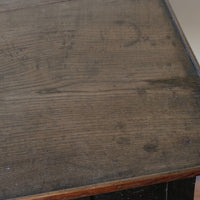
[(95, 96)]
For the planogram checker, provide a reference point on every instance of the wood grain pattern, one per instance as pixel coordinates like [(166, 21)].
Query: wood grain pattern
[(93, 91)]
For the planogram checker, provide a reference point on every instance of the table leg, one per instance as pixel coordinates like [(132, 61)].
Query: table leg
[(197, 189)]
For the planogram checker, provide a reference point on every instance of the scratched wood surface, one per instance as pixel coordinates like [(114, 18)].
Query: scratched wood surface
[(93, 91)]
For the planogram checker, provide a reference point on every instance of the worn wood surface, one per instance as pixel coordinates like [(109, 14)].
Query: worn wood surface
[(93, 91)]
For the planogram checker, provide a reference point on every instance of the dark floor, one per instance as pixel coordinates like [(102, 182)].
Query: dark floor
[(177, 190)]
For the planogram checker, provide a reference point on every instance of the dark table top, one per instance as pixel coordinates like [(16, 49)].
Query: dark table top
[(93, 93)]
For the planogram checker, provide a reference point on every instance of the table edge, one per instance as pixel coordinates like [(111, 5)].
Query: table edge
[(183, 37), (114, 186)]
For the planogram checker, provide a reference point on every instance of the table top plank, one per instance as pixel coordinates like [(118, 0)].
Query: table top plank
[(93, 91)]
